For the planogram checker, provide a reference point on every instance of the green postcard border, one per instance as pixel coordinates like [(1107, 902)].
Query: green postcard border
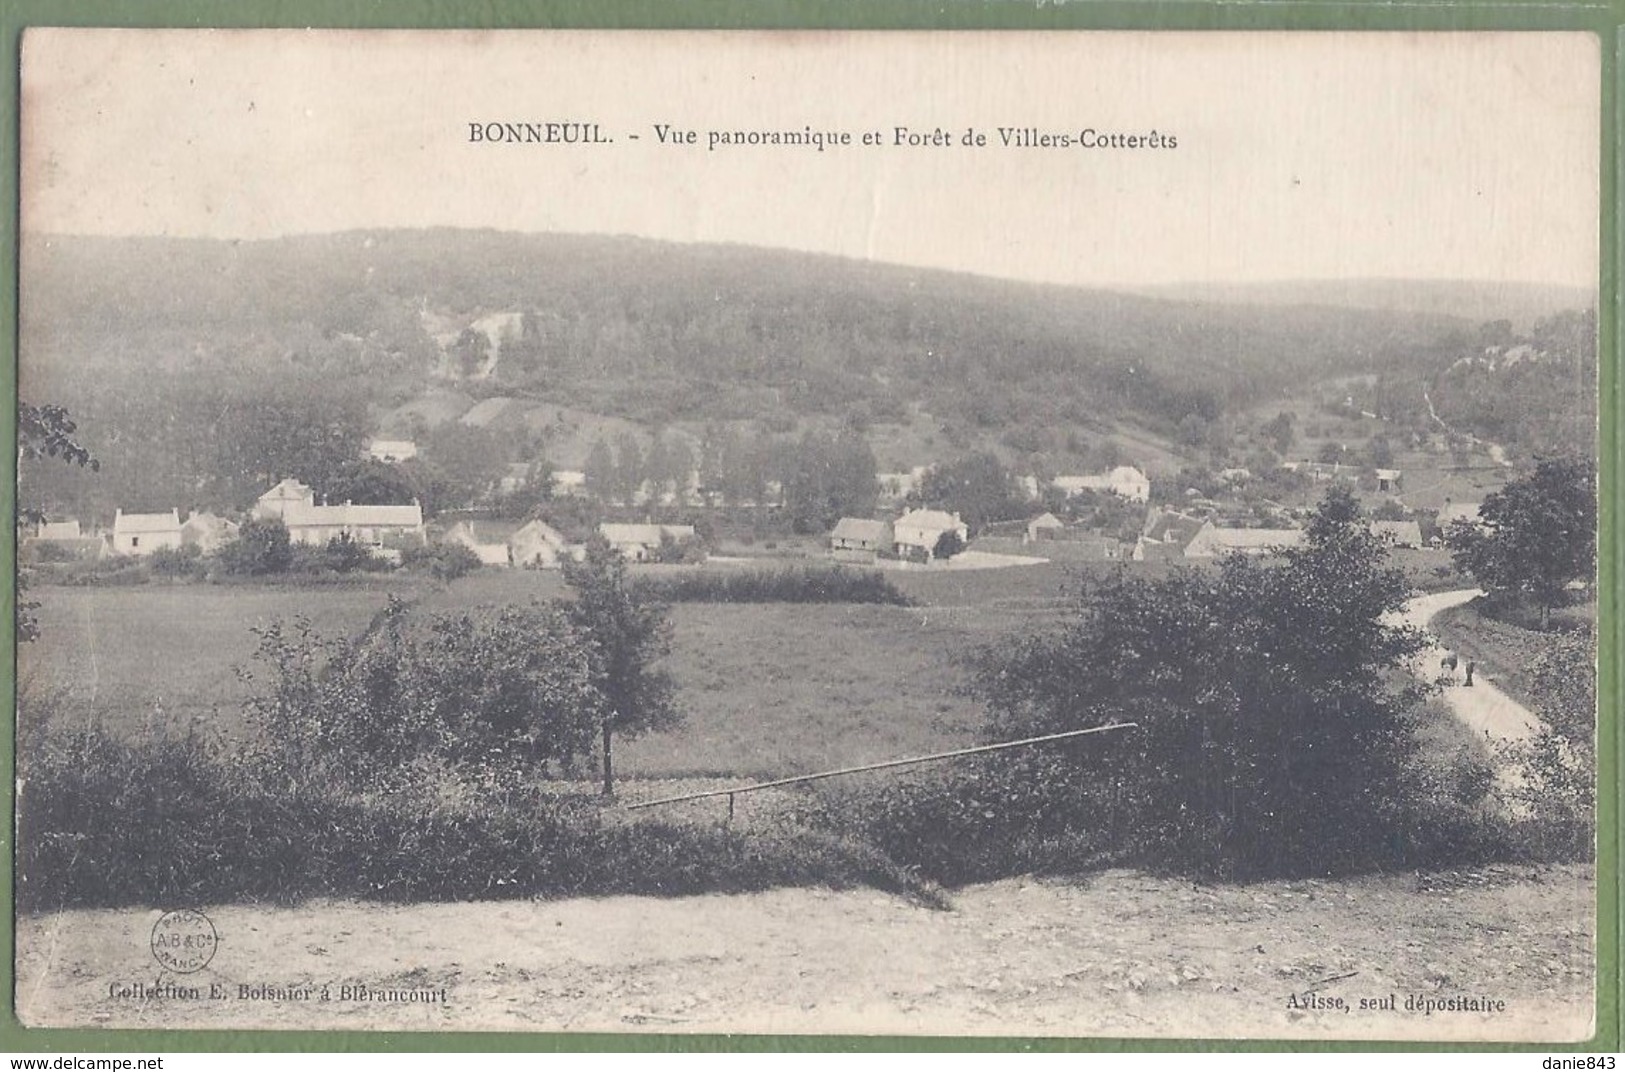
[(1605, 19)]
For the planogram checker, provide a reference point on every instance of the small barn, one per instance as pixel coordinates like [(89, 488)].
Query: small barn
[(859, 539)]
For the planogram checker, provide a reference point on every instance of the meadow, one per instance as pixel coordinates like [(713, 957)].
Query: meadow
[(767, 689)]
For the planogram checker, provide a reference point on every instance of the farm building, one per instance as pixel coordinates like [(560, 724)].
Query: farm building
[(385, 526), (1390, 480), (1044, 527), (207, 532), (569, 482), (1398, 533), (142, 534), (1125, 481), (858, 539), (60, 541), (1211, 541), (58, 530), (538, 545), (487, 539), (641, 543), (1165, 535), (921, 529)]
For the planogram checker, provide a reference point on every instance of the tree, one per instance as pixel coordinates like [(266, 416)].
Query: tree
[(1380, 452), (1280, 432), (262, 546), (43, 431), (598, 474), (1534, 536), (1273, 734), (828, 477), (978, 487), (948, 545), (627, 634), (367, 480)]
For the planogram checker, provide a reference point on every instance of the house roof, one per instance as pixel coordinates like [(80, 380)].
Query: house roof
[(59, 530), (288, 489), (1166, 526), (1046, 521), (538, 530), (353, 515), (139, 523), (930, 519), (208, 521), (1388, 474), (1215, 540), (484, 532), (859, 528)]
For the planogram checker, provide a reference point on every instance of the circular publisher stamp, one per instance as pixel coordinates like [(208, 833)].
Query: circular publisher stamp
[(184, 940)]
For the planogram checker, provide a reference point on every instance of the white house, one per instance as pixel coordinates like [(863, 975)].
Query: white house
[(488, 540), (1125, 481), (569, 482), (392, 450), (921, 529), (308, 522), (640, 543), (142, 534), (538, 545), (206, 531), (58, 530)]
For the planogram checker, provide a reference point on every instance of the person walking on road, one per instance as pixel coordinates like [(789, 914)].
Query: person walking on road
[(1471, 666)]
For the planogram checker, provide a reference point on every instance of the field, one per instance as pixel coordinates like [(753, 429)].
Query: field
[(153, 656), (768, 689)]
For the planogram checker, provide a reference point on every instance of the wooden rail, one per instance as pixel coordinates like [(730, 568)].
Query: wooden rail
[(932, 758)]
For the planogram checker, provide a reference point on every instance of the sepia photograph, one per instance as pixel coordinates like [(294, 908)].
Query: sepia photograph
[(1066, 535)]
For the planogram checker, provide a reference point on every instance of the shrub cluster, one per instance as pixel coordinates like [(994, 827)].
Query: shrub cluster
[(198, 825), (443, 561), (804, 584)]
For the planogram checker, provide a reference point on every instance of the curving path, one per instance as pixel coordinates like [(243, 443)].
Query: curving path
[(1484, 707)]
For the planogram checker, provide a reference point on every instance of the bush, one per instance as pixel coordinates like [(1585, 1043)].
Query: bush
[(341, 554), (505, 692), (443, 561), (806, 584), (1275, 731), (262, 546), (199, 824), (184, 561)]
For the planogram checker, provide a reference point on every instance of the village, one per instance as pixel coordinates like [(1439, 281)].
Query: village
[(1060, 519)]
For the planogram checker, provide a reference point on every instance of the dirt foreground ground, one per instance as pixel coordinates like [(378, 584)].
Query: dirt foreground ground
[(1118, 954)]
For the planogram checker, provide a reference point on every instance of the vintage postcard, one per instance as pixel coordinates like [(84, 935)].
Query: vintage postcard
[(1042, 534)]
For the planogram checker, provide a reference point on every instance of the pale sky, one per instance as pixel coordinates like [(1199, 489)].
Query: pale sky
[(1300, 156)]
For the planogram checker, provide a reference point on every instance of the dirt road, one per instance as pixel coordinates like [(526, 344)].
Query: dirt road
[(1483, 706), (1118, 954)]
